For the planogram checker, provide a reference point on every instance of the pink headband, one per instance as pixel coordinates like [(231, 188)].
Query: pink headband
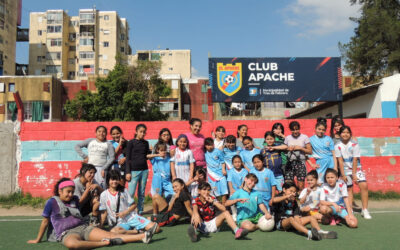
[(64, 184)]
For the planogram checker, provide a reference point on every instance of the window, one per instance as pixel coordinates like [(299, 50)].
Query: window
[(46, 110), (155, 56), (71, 60), (204, 108), (11, 87), (39, 32), (186, 108), (71, 75), (86, 17), (54, 29), (86, 41), (11, 108), (38, 72), (86, 55), (86, 69), (56, 42), (175, 84), (72, 48), (105, 44), (122, 49), (1, 39), (143, 56), (53, 69), (54, 17), (170, 69), (204, 88), (2, 87), (106, 17), (122, 37), (105, 57), (72, 37), (106, 71), (39, 59), (53, 55)]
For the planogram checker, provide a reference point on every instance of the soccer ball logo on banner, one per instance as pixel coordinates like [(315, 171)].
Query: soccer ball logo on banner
[(229, 78)]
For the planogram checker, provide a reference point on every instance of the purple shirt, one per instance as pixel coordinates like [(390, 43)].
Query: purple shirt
[(196, 145), (60, 224)]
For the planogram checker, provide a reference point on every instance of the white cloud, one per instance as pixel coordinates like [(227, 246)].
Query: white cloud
[(196, 74), (320, 17)]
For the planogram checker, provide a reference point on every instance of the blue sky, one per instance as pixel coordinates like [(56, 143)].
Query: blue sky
[(222, 28)]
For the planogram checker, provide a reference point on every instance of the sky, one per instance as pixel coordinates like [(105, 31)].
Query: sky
[(222, 28)]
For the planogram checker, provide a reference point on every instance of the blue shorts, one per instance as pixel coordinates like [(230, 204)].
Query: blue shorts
[(137, 222), (342, 214), (219, 187), (160, 186), (279, 182)]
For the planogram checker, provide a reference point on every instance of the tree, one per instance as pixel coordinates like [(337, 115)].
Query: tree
[(374, 51), (126, 94)]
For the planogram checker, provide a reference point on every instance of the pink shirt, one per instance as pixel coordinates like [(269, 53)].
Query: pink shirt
[(196, 145)]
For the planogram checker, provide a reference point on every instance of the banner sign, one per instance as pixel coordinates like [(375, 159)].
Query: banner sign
[(296, 79)]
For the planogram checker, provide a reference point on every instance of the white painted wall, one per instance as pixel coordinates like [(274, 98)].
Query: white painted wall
[(390, 88)]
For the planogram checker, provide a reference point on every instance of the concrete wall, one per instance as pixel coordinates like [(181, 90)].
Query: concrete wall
[(47, 152), (8, 165)]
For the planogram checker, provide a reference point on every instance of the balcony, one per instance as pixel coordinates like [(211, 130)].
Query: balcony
[(22, 35), (86, 34), (21, 69)]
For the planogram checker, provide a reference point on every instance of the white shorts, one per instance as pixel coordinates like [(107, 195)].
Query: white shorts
[(360, 178), (208, 226)]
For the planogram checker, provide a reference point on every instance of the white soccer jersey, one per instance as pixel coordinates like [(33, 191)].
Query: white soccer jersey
[(108, 202), (348, 152), (182, 160), (334, 194), (312, 199)]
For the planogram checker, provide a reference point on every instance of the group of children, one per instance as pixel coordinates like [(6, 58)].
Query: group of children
[(239, 184)]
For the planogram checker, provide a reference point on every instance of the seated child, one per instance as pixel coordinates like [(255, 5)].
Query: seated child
[(309, 197), (249, 203), (199, 177), (62, 212), (118, 207), (204, 218), (334, 201), (178, 207), (287, 214)]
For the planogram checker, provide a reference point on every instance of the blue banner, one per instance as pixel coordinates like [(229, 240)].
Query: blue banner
[(301, 79)]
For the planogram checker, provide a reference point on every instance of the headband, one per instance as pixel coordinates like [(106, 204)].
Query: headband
[(64, 184)]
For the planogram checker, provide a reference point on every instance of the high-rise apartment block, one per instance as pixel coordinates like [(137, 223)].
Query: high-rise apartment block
[(77, 47)]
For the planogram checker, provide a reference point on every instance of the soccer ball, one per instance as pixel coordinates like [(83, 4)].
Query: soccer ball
[(266, 225), (229, 79)]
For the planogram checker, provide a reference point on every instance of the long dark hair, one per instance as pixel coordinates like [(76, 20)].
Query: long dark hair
[(160, 140), (86, 167), (278, 125), (180, 181), (335, 119), (114, 175), (55, 191)]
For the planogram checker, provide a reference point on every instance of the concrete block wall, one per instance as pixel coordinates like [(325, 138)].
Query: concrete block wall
[(47, 149)]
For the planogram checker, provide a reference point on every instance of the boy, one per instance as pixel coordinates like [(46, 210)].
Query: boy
[(249, 203), (204, 218)]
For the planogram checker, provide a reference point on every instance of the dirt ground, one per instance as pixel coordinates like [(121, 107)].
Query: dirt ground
[(29, 211)]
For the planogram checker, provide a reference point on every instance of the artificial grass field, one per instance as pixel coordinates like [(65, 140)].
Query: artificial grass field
[(382, 232)]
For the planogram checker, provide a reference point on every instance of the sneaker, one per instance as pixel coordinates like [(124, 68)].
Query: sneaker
[(192, 233), (153, 229), (365, 214), (327, 234), (333, 222), (147, 237), (314, 235), (240, 233), (116, 242)]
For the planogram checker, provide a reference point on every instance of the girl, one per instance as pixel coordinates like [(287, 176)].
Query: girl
[(298, 146), (118, 207), (178, 207), (279, 132), (235, 179), (216, 171), (182, 164), (336, 124), (267, 183), (137, 152), (248, 153), (334, 199), (309, 197), (241, 133), (272, 159), (196, 142), (230, 150), (323, 151), (119, 143), (287, 215), (62, 211), (88, 191), (198, 178), (219, 138), (165, 137), (348, 154), (161, 183), (100, 153)]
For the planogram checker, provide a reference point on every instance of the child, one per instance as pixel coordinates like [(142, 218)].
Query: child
[(182, 164), (119, 143), (178, 207), (88, 191), (298, 146), (348, 154), (161, 183), (249, 204), (216, 171), (165, 137), (279, 132), (199, 178), (241, 133), (334, 199), (235, 179), (248, 153), (219, 139), (287, 215), (309, 197), (230, 150), (100, 153), (323, 151), (137, 152), (266, 185), (272, 159), (204, 217), (62, 212), (117, 206)]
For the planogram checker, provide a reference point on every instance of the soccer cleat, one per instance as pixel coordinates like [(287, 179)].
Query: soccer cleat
[(315, 235), (365, 214), (240, 233), (327, 234), (147, 237), (192, 233)]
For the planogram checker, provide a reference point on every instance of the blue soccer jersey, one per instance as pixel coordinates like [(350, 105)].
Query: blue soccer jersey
[(322, 152), (229, 154), (162, 166), (249, 208), (247, 156), (214, 160), (237, 177), (266, 180)]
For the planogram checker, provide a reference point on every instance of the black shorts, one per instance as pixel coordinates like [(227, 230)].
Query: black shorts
[(164, 218)]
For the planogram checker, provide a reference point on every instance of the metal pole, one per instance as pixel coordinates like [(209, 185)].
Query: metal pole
[(340, 109)]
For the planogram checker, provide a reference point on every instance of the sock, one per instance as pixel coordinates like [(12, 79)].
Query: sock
[(235, 229), (322, 231), (309, 234)]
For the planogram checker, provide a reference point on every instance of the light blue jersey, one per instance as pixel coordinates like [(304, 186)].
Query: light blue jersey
[(214, 160), (161, 181), (237, 177), (229, 154), (247, 156), (248, 209), (266, 180), (322, 152), (162, 166)]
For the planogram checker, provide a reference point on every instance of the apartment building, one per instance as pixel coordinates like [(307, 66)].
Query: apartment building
[(77, 47)]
